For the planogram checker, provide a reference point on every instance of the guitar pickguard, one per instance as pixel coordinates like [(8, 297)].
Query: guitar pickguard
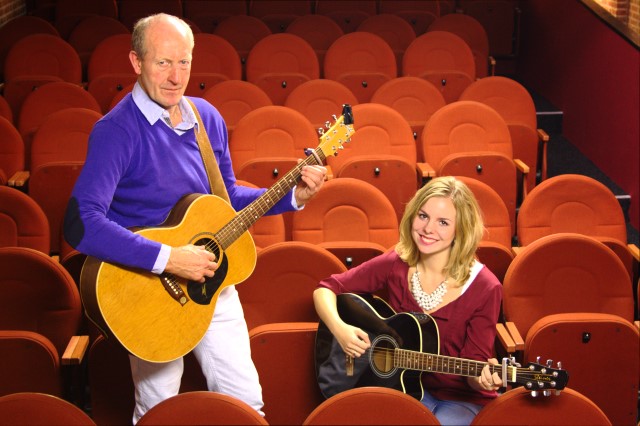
[(203, 293)]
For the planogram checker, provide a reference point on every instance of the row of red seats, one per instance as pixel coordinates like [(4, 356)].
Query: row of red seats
[(593, 330)]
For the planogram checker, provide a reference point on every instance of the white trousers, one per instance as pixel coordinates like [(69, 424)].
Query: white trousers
[(224, 355)]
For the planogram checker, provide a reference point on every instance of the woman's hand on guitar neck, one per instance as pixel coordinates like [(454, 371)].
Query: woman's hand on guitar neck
[(191, 262), (312, 178)]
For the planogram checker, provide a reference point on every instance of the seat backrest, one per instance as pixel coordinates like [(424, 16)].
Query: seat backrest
[(290, 347), (202, 408), (379, 130), (5, 110), (320, 99), (415, 98), (30, 364), (347, 209), (279, 290), (130, 11), (12, 156), (442, 58), (267, 230), (362, 61), (347, 14), (70, 13), (498, 18), (207, 14), (243, 32), (39, 296), (236, 98), (41, 409), (468, 138), (278, 14), (570, 203), (23, 223), (585, 342), (497, 222), (43, 54), (63, 136), (215, 60), (518, 407), (371, 405), (17, 28), (319, 31), (270, 132), (563, 273), (397, 32), (110, 56), (420, 14), (514, 103), (472, 32), (278, 63), (90, 30), (49, 98)]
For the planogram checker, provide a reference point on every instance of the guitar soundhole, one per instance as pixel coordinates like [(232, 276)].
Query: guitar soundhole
[(381, 355), (203, 293)]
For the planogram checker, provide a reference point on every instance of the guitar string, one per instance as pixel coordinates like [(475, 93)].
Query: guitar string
[(521, 371)]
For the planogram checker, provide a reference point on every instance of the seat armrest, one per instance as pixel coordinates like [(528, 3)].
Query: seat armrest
[(515, 335), (74, 353), (19, 179), (329, 175), (425, 171), (505, 338)]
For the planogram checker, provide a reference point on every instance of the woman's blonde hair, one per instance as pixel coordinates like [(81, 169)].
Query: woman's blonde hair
[(469, 226)]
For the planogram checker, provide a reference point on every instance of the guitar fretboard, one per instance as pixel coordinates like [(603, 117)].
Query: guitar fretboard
[(413, 360)]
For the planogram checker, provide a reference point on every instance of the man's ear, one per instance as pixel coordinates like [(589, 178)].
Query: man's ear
[(135, 62)]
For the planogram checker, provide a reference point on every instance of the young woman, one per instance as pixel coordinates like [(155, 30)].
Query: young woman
[(433, 269)]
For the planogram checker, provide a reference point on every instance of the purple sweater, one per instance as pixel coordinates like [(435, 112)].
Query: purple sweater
[(467, 326), (134, 175)]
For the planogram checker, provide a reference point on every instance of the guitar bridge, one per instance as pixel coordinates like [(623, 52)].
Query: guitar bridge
[(172, 287)]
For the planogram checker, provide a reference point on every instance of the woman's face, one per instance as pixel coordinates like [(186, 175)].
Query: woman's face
[(434, 227)]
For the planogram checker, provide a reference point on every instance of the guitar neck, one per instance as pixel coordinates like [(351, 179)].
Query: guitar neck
[(413, 360), (254, 211)]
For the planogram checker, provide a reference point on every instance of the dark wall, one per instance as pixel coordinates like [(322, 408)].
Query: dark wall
[(592, 74)]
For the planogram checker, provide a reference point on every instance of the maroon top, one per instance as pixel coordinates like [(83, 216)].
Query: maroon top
[(467, 326)]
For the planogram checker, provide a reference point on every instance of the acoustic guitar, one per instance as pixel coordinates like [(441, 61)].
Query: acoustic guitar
[(403, 347), (160, 318)]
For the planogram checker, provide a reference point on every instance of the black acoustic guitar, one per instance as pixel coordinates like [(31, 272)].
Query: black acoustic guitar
[(403, 347)]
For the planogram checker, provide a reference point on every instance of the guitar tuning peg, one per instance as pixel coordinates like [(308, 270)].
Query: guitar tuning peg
[(534, 393), (546, 393), (327, 124), (538, 360), (557, 393), (559, 364), (549, 363), (335, 118), (320, 131)]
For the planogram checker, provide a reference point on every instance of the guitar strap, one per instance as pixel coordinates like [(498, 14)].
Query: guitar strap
[(210, 164)]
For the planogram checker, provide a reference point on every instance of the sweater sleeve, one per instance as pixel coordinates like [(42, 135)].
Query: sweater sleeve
[(86, 225)]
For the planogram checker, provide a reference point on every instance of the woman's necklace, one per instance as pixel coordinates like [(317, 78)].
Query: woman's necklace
[(427, 301)]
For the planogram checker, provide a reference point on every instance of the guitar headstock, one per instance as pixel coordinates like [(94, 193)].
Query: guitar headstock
[(537, 377), (332, 139)]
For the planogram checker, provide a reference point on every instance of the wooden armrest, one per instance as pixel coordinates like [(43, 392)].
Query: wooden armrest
[(543, 136), (74, 353), (492, 66), (505, 338), (19, 179), (515, 335), (329, 172), (524, 169), (635, 251), (516, 250), (425, 171)]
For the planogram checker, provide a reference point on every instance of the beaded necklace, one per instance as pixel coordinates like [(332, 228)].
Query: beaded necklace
[(427, 301)]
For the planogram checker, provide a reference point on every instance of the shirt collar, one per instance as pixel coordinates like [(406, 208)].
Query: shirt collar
[(154, 112)]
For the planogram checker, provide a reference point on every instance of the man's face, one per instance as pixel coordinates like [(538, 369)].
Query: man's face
[(164, 71)]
